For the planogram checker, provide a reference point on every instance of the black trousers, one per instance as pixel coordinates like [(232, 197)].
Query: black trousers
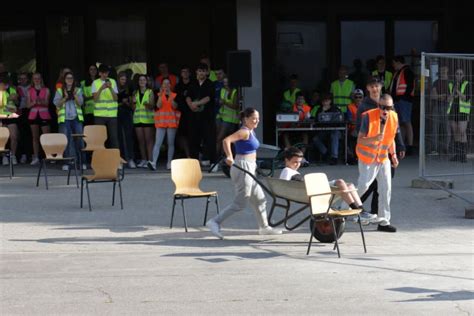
[(125, 133), (202, 128), (112, 130), (25, 138)]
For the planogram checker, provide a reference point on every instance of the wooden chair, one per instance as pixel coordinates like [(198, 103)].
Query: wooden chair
[(321, 199), (53, 145), (94, 137), (186, 175), (4, 136), (105, 164)]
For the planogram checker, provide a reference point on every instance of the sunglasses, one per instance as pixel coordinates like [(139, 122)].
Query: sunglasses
[(386, 107)]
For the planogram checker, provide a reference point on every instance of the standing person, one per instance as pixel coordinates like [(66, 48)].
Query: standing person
[(8, 97), (341, 90), (228, 116), (357, 97), (376, 151), (166, 122), (459, 109), (68, 101), (125, 120), (289, 95), (24, 143), (218, 85), (86, 86), (384, 75), (211, 74), (62, 71), (104, 91), (184, 132), (144, 102), (246, 189), (358, 76), (165, 74), (370, 102), (438, 109), (402, 89), (39, 117), (201, 101)]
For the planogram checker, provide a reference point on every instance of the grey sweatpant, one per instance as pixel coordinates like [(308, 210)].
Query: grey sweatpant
[(246, 190)]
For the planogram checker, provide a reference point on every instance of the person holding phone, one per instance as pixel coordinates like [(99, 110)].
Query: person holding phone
[(376, 151)]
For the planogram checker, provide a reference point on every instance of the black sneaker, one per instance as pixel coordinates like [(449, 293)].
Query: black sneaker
[(333, 161), (387, 228)]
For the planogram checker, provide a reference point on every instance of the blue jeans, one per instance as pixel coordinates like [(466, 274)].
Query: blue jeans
[(68, 128), (321, 138)]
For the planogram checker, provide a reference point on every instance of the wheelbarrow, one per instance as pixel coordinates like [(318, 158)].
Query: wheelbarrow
[(286, 193)]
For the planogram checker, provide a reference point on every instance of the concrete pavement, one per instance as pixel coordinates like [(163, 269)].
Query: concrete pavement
[(59, 259)]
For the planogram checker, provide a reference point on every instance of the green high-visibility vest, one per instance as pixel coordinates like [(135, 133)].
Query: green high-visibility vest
[(227, 114), (386, 80), (62, 110), (87, 92), (464, 106), (342, 93), (212, 75), (291, 96), (314, 110), (7, 106), (105, 106), (142, 114)]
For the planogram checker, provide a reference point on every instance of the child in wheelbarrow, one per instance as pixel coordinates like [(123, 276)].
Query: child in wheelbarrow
[(293, 158)]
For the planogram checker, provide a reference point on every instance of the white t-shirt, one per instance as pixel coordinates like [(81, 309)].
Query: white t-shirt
[(287, 173)]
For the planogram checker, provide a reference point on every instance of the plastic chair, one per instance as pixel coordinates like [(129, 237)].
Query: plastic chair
[(186, 175), (321, 199), (4, 136), (105, 164), (53, 145)]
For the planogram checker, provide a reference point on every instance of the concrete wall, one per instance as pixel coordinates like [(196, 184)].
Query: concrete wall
[(249, 37)]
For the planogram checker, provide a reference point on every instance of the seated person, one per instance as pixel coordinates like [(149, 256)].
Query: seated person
[(315, 102), (303, 110), (357, 97), (293, 157), (322, 138)]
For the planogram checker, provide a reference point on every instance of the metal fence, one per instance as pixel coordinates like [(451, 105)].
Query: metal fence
[(446, 121)]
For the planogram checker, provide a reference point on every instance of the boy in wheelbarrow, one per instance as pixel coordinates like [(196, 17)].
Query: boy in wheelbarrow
[(293, 158)]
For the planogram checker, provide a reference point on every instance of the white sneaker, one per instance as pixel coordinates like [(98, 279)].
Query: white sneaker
[(65, 167), (14, 161), (23, 159), (205, 163), (168, 166), (142, 164), (34, 161), (84, 166), (131, 164), (269, 231), (214, 228), (151, 165), (5, 161)]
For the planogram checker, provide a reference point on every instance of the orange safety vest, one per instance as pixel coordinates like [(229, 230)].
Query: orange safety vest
[(378, 151), (353, 110), (306, 109), (166, 116), (401, 84)]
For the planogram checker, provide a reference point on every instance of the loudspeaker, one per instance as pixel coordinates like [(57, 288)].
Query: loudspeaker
[(239, 68)]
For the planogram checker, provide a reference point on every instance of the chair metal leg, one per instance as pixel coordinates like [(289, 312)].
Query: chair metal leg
[(217, 203), (88, 196), (172, 212), (362, 234), (120, 192), (39, 174), (45, 174), (82, 190), (75, 172), (10, 163), (313, 230), (335, 237), (184, 216), (113, 194), (207, 208), (68, 175)]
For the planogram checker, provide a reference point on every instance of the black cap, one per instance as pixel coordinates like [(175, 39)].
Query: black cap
[(374, 80)]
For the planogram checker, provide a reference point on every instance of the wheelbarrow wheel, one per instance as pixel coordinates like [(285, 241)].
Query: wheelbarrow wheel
[(324, 230)]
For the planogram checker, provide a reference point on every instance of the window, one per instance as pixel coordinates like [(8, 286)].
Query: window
[(18, 51), (301, 50), (121, 43)]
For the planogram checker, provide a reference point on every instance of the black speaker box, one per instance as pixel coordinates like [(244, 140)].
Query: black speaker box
[(239, 68)]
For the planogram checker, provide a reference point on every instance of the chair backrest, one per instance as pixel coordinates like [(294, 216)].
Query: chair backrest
[(53, 144), (317, 183), (4, 135), (291, 190), (95, 137), (186, 174), (105, 163)]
